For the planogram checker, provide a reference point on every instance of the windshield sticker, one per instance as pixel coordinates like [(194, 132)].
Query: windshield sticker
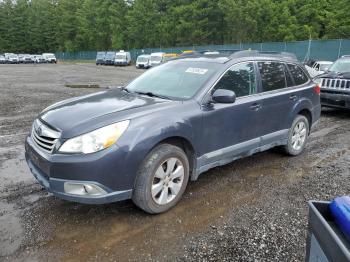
[(199, 71)]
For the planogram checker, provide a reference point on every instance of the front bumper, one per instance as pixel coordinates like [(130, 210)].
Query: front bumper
[(335, 99), (120, 63), (54, 171)]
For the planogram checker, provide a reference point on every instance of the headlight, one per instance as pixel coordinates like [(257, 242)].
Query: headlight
[(96, 140)]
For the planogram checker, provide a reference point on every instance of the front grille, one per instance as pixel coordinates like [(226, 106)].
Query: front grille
[(44, 137), (335, 84)]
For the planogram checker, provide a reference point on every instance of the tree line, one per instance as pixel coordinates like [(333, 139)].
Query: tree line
[(31, 26)]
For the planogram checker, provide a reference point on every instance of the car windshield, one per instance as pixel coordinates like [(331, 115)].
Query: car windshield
[(156, 58), (13, 56), (142, 59), (50, 56), (120, 56), (341, 66), (100, 55), (110, 55), (175, 80)]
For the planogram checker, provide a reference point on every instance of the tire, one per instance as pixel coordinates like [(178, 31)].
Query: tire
[(154, 166), (297, 140)]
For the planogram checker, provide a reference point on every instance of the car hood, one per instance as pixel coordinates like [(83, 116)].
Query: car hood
[(345, 75), (82, 111)]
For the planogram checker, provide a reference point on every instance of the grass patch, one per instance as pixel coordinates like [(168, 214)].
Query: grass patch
[(82, 86)]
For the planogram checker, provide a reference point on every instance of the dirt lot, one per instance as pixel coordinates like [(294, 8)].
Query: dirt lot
[(254, 209)]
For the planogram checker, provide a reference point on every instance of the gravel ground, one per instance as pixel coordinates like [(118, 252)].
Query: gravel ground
[(274, 228), (254, 209)]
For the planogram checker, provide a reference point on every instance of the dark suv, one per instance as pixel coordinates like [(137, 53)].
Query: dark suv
[(335, 84), (146, 140)]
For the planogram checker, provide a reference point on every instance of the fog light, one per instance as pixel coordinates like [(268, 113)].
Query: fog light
[(83, 189)]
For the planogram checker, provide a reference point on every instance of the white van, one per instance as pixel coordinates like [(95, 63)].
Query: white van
[(143, 61), (49, 58), (157, 58), (122, 58)]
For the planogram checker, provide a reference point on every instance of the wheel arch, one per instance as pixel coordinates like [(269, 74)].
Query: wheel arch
[(183, 143)]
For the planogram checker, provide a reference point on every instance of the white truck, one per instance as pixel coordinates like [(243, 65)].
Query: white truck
[(49, 58), (122, 58), (143, 61), (157, 58)]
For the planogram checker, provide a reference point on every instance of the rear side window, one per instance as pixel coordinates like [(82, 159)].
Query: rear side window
[(272, 75), (298, 74), (239, 78)]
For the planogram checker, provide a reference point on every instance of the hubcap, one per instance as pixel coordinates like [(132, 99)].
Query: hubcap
[(299, 136), (167, 181)]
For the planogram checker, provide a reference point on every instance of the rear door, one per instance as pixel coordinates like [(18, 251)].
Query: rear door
[(230, 129), (278, 100)]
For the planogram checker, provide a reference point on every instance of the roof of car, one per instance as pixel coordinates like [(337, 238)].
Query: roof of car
[(240, 55), (324, 62)]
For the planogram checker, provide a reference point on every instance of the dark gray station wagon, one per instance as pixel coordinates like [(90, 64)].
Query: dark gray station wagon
[(146, 140)]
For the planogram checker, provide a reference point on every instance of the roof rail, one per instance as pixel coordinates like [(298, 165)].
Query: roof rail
[(246, 53)]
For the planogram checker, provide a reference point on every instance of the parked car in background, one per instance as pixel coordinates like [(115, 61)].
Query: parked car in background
[(211, 53), (122, 58), (49, 58), (335, 84), (11, 58), (110, 57), (148, 139), (156, 58), (21, 58), (322, 66), (2, 59), (39, 59), (27, 59), (143, 61), (100, 58), (312, 72)]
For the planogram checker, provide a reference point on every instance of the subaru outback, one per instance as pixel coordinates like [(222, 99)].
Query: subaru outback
[(147, 140)]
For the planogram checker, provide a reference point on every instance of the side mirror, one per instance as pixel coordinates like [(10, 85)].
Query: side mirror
[(224, 96)]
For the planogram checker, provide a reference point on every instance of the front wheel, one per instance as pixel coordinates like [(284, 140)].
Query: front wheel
[(297, 136), (162, 179)]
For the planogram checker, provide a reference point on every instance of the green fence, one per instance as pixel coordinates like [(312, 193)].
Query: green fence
[(316, 49)]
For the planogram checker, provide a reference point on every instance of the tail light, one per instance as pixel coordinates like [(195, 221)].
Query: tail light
[(317, 89)]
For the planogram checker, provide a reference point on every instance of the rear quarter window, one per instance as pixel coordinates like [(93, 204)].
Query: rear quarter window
[(298, 74)]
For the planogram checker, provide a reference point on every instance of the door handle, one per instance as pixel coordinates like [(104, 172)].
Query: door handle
[(255, 106), (293, 97)]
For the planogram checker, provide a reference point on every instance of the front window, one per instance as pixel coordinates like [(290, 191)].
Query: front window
[(156, 59), (177, 80), (240, 79), (142, 59), (341, 66), (120, 57), (100, 55), (110, 55)]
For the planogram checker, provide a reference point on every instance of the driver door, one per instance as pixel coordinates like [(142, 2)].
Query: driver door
[(230, 129)]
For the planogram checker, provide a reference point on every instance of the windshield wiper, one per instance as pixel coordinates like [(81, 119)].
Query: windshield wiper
[(151, 94)]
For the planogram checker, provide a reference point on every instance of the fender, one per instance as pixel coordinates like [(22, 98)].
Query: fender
[(302, 104)]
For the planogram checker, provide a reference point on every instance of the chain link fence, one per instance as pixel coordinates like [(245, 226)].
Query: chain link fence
[(315, 49)]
